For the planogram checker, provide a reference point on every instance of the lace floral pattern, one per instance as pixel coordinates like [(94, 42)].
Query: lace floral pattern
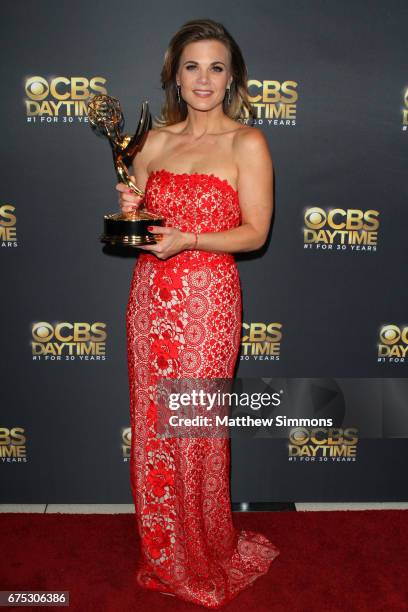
[(184, 320)]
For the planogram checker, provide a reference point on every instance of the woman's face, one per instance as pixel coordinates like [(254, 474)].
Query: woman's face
[(204, 74)]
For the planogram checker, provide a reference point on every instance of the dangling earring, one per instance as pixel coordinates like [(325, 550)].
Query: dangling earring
[(178, 93), (229, 95)]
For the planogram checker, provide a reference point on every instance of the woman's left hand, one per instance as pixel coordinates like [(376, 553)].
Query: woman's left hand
[(172, 241)]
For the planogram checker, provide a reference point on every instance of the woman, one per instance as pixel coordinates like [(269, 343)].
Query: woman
[(211, 177)]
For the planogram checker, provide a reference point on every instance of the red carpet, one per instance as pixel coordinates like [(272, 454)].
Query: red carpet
[(333, 561)]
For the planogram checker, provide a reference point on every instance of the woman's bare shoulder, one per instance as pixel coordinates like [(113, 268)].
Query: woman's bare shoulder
[(250, 141), (250, 134), (251, 145)]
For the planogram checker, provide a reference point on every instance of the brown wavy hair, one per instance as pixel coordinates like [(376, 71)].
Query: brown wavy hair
[(203, 29)]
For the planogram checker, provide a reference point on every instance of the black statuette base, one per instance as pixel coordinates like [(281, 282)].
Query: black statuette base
[(129, 232)]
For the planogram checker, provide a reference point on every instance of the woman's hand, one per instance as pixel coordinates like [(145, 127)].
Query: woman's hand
[(128, 200), (171, 241)]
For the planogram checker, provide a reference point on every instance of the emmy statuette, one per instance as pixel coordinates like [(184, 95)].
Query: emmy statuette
[(106, 118)]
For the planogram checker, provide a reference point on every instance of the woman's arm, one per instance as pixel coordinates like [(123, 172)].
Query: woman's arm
[(255, 190)]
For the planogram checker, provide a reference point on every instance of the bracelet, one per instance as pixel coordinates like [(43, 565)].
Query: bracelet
[(195, 242)]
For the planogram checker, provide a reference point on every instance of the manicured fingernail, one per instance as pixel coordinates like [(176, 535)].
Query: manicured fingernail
[(150, 227)]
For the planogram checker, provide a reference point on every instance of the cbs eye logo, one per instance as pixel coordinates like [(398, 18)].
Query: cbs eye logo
[(37, 88), (392, 334), (42, 332), (405, 109), (315, 218), (127, 436), (126, 443), (299, 436)]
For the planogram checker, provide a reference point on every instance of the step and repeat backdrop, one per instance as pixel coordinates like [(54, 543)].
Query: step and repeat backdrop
[(325, 302)]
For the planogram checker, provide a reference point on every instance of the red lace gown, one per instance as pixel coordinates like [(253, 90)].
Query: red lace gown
[(184, 321)]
